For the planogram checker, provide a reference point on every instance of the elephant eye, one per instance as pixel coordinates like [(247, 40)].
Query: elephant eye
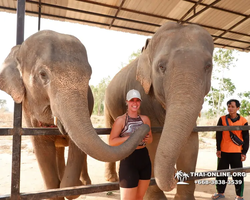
[(43, 76), (162, 67), (208, 66)]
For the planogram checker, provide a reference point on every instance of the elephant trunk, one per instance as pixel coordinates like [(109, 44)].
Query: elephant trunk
[(76, 122), (181, 115)]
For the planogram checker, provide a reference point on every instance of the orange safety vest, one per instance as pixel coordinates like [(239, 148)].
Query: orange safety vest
[(226, 143)]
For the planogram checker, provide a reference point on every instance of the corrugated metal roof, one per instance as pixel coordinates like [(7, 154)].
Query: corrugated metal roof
[(228, 21)]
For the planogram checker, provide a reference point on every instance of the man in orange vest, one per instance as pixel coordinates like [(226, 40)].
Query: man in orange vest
[(232, 147)]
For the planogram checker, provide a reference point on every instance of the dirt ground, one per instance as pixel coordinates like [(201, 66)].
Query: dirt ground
[(31, 179)]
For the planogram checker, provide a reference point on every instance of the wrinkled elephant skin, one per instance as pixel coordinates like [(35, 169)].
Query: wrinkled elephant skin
[(49, 73), (173, 75)]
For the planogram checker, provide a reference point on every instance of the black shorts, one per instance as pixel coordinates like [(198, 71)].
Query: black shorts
[(135, 167)]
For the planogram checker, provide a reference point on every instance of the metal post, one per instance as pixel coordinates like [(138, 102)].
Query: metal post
[(39, 15), (17, 130)]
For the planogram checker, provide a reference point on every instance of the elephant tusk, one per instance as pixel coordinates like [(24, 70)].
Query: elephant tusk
[(55, 121)]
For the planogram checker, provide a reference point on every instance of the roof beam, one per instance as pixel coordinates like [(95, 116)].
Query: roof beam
[(101, 15), (217, 8), (118, 10), (246, 17), (91, 22), (129, 10), (202, 10), (92, 13), (233, 47), (190, 10), (167, 18), (131, 29), (150, 25), (235, 25), (226, 38)]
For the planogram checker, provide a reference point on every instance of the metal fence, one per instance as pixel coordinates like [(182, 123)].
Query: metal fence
[(17, 132)]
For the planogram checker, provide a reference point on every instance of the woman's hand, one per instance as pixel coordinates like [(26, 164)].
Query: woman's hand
[(148, 138)]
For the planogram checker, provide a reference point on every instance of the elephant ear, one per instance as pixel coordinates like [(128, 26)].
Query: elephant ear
[(10, 76), (143, 73)]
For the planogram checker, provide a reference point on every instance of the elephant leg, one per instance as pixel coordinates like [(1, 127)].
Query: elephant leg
[(154, 192), (73, 168), (110, 172), (60, 161), (45, 152), (187, 163), (84, 174)]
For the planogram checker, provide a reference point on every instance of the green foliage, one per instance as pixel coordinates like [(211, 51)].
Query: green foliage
[(224, 59), (221, 86), (99, 90), (245, 104), (99, 94), (3, 105), (132, 57), (227, 86)]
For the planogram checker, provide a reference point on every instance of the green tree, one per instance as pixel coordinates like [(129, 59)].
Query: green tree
[(221, 86), (245, 104), (3, 105), (99, 90), (99, 94), (133, 56)]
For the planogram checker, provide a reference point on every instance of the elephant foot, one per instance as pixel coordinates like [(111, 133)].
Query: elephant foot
[(154, 193), (85, 180), (57, 198), (63, 185), (185, 192), (72, 197), (110, 173), (111, 177), (184, 197)]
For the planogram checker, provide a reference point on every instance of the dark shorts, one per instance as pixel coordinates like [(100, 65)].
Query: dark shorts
[(135, 167)]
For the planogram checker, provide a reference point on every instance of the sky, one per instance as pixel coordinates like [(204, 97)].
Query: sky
[(107, 50)]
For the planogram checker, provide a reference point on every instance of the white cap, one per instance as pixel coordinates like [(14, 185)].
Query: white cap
[(133, 94)]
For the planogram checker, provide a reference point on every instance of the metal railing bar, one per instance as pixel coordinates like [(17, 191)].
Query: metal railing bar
[(106, 131), (76, 191)]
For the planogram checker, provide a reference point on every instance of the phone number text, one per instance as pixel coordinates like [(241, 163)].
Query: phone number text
[(218, 182)]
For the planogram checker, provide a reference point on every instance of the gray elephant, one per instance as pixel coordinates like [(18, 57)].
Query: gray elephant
[(49, 73), (173, 75)]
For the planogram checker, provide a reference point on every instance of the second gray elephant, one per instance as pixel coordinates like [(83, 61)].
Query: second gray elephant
[(49, 73), (173, 75)]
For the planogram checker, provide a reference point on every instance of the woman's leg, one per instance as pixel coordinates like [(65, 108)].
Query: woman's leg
[(128, 193), (128, 179), (141, 189)]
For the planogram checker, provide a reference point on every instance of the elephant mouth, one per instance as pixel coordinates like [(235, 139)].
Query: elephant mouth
[(45, 125), (61, 141), (57, 123)]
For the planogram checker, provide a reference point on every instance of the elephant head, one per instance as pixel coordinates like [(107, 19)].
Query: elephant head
[(176, 67), (49, 73)]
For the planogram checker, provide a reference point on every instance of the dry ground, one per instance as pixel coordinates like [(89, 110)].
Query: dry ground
[(31, 179)]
